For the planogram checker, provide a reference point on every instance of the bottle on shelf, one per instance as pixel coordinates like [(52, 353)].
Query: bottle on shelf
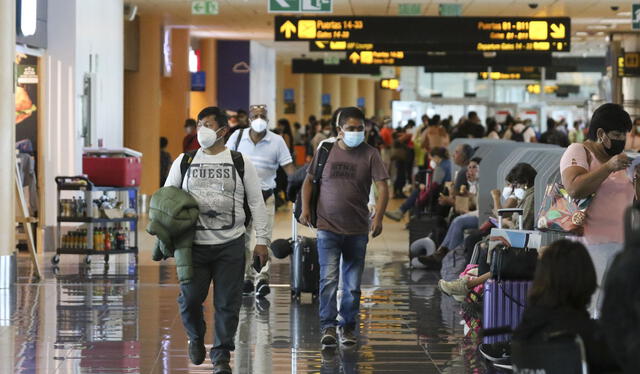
[(107, 240)]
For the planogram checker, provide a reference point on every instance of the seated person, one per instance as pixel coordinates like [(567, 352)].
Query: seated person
[(455, 234), (519, 189), (564, 282), (441, 175)]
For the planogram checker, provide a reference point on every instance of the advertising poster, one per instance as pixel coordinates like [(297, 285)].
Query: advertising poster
[(27, 103)]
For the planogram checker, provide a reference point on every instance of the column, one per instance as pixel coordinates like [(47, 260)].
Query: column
[(312, 95), (262, 81), (295, 82), (384, 97), (631, 85), (174, 108), (348, 91), (141, 100), (208, 64), (331, 86), (366, 90)]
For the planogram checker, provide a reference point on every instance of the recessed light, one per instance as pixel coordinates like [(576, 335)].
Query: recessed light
[(582, 33), (615, 20), (624, 14), (600, 33), (597, 27)]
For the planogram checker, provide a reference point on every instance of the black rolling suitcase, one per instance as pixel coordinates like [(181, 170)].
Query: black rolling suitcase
[(305, 268), (427, 225)]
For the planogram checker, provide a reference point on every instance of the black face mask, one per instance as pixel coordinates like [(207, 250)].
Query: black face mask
[(617, 146)]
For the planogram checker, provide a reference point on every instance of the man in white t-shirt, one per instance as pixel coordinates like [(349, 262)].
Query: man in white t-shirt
[(226, 186), (267, 151)]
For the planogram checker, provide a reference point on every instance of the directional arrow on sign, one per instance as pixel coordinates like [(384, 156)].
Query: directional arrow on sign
[(287, 29), (354, 57), (557, 31), (321, 45), (198, 7), (283, 3)]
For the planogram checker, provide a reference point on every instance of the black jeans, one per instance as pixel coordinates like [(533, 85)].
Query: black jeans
[(224, 265)]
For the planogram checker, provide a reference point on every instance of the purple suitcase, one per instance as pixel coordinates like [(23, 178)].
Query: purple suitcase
[(501, 307)]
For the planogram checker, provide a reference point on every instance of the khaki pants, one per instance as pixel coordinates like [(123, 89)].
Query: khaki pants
[(250, 273)]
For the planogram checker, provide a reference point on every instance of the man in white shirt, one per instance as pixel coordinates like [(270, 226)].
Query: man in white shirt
[(267, 151), (226, 186)]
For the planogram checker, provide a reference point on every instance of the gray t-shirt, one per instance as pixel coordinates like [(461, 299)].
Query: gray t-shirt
[(345, 186)]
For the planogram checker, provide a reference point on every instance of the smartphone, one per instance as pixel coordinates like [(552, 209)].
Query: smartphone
[(257, 264)]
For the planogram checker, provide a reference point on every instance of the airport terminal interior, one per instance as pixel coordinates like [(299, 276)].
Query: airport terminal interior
[(319, 186)]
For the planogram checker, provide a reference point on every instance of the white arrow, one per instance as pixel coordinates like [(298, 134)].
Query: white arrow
[(283, 3)]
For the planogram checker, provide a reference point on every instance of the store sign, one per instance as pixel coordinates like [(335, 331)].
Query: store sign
[(300, 6), (635, 16), (204, 7), (27, 17), (26, 99), (443, 33)]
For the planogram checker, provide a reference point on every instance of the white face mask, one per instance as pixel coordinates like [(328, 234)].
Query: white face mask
[(259, 125), (506, 192), (207, 137), (433, 164), (327, 132), (519, 193)]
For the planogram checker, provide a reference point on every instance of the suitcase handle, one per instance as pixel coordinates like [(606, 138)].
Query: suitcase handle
[(503, 212)]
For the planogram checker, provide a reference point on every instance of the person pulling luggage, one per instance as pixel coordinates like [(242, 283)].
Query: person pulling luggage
[(343, 221), (225, 185)]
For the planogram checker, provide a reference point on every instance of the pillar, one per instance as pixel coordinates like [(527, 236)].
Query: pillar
[(296, 82), (7, 128), (174, 108), (208, 64), (367, 90), (141, 98), (331, 85), (312, 95), (631, 85), (384, 97), (348, 91)]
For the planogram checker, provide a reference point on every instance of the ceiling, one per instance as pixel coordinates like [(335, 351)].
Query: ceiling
[(592, 20)]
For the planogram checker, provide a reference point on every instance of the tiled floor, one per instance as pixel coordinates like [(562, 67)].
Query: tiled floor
[(123, 319)]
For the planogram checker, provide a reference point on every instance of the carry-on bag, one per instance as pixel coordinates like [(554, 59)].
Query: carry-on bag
[(305, 268)]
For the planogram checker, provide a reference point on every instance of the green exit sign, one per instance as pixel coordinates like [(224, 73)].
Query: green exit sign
[(300, 6), (204, 7), (409, 9)]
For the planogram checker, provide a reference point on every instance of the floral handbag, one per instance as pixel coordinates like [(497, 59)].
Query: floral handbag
[(561, 213)]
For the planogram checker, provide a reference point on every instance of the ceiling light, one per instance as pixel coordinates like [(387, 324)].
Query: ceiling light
[(615, 20), (582, 33), (597, 27), (624, 14), (600, 33)]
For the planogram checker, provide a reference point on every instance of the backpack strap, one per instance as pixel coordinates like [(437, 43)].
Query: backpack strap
[(323, 156), (238, 164), (238, 139), (185, 164)]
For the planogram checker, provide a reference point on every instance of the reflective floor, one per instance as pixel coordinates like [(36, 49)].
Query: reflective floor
[(124, 319)]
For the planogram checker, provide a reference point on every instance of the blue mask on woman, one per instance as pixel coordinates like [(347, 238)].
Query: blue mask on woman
[(353, 138)]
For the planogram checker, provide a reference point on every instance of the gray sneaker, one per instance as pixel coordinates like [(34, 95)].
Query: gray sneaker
[(348, 336), (455, 288), (395, 215), (329, 337)]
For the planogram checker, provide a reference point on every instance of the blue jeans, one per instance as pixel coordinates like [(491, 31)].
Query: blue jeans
[(455, 234), (410, 202), (352, 249)]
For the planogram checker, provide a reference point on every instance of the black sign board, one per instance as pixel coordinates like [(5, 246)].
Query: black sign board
[(448, 59), (454, 33), (309, 66), (629, 65)]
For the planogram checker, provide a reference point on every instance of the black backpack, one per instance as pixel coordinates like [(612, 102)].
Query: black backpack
[(321, 160), (519, 136), (238, 164)]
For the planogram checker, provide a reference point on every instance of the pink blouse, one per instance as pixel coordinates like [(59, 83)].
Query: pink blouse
[(605, 216)]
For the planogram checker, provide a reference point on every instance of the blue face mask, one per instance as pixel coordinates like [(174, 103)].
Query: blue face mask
[(353, 138)]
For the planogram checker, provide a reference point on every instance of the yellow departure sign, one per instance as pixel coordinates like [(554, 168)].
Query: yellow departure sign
[(375, 58), (536, 89), (391, 84), (435, 33)]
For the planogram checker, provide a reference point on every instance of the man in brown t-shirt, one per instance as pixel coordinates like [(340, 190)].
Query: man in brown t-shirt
[(344, 222)]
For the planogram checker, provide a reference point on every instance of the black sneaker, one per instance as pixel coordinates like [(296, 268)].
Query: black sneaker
[(262, 289), (329, 337), (221, 367), (247, 289), (348, 336), (499, 352), (197, 351)]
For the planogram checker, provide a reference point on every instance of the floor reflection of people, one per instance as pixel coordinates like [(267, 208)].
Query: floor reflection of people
[(254, 329)]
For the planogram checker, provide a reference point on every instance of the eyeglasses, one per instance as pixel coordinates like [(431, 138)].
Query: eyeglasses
[(258, 106)]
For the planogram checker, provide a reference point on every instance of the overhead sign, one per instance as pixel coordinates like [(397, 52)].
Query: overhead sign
[(450, 10), (410, 9), (300, 6), (635, 16), (204, 7), (309, 66), (536, 89), (629, 65), (399, 58), (331, 60), (459, 33), (513, 73)]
